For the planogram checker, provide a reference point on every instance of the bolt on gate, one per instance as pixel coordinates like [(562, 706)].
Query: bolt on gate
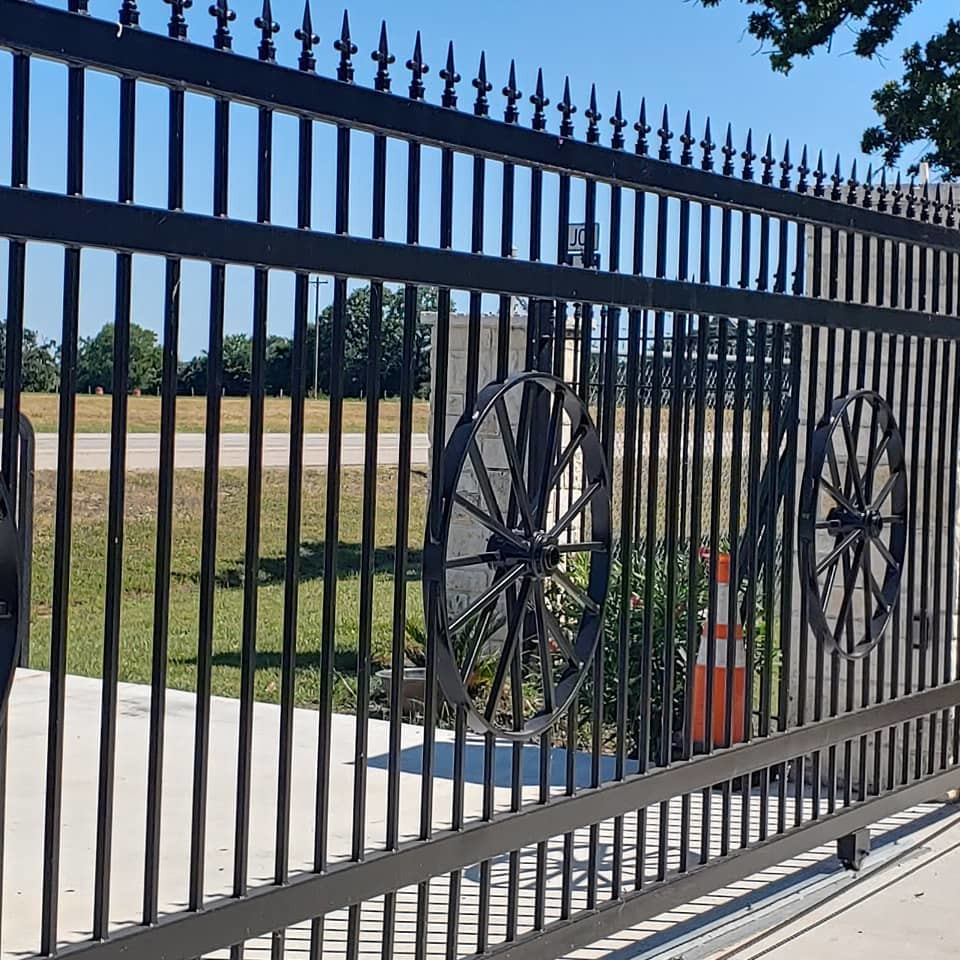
[(685, 527)]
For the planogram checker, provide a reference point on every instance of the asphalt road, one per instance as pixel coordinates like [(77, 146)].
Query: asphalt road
[(92, 450)]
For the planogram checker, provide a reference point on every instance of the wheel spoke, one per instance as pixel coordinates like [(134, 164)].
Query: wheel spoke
[(489, 522), (515, 464), (509, 650), (877, 589), (568, 454), (853, 468), (829, 583), (483, 624), (838, 496), (848, 590), (483, 481), (886, 554), (476, 560), (546, 658), (563, 643), (876, 455), (838, 550), (893, 520), (867, 596), (885, 492), (833, 464), (574, 591), (579, 504), (549, 455), (592, 546), (490, 594)]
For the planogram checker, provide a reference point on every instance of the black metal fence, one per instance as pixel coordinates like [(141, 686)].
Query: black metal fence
[(626, 565)]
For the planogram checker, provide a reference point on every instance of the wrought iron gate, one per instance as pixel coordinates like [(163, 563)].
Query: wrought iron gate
[(689, 598)]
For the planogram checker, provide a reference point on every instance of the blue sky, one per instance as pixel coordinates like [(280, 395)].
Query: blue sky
[(670, 51)]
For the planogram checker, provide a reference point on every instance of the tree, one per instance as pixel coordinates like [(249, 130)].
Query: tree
[(39, 361), (237, 361), (95, 361), (922, 107), (357, 347)]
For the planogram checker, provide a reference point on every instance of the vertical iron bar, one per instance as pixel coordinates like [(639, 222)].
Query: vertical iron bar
[(114, 582), (440, 349), (165, 490), (328, 628), (64, 523), (402, 535), (251, 572)]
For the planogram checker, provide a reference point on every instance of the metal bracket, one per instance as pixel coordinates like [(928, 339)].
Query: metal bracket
[(852, 849)]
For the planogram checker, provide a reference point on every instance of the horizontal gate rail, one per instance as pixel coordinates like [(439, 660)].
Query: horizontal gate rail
[(264, 909), (76, 221), (49, 33)]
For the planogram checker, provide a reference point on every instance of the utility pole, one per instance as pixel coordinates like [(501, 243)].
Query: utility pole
[(317, 283)]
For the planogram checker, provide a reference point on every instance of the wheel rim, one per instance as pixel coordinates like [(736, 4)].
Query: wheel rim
[(852, 529), (505, 654)]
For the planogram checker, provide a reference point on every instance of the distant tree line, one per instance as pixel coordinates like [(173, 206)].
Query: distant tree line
[(41, 358)]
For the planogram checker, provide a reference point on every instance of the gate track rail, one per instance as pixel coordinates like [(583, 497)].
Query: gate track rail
[(185, 935)]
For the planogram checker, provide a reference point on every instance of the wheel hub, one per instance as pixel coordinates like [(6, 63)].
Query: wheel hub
[(843, 522), (540, 553)]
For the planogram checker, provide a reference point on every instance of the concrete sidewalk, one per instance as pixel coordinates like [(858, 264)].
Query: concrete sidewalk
[(906, 907)]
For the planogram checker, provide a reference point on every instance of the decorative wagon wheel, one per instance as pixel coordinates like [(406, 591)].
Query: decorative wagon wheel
[(852, 529), (524, 518)]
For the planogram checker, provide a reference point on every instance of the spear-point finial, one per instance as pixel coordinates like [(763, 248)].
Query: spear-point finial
[(852, 184), (768, 163), (897, 207), (540, 103), (785, 167), (802, 185), (937, 205), (708, 146), (642, 128), (177, 25), (593, 116), (729, 152), (481, 106), (665, 136), (382, 57), (617, 141), (304, 33), (419, 69), (836, 193), (748, 156), (346, 48), (951, 208), (511, 114), (450, 79), (819, 176), (129, 14), (567, 110), (868, 188), (882, 192), (267, 50), (912, 197), (224, 17), (925, 201), (687, 139)]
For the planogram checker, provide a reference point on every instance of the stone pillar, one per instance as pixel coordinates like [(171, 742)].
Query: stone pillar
[(466, 536)]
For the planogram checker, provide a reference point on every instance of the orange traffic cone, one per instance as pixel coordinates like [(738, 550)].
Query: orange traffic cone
[(718, 681)]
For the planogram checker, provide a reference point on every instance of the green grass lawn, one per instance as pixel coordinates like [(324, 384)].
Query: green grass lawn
[(93, 414), (88, 579)]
